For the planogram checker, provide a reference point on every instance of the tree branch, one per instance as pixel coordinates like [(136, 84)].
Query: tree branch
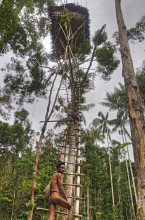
[(91, 61)]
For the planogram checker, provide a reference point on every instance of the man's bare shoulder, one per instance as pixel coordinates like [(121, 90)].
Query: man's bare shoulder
[(57, 175)]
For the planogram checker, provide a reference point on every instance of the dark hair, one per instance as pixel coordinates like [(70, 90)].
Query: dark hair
[(60, 163)]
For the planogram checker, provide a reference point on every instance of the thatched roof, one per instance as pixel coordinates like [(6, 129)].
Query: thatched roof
[(79, 21)]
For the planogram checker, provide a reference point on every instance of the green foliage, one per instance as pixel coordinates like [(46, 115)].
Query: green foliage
[(16, 173), (140, 75), (21, 116), (23, 25), (135, 33), (65, 18), (96, 176), (8, 23), (17, 30), (126, 144), (102, 122), (100, 36), (6, 105), (83, 49), (107, 62), (16, 170), (117, 101), (19, 83)]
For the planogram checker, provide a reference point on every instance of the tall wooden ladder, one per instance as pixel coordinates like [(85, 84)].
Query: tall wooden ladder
[(76, 197)]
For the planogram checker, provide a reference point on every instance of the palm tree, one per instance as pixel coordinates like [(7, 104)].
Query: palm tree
[(118, 101), (103, 122), (96, 134)]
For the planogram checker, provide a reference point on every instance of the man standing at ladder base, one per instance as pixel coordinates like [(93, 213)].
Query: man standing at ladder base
[(57, 188)]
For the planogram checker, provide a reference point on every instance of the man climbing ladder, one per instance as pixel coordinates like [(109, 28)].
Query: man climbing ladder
[(57, 188)]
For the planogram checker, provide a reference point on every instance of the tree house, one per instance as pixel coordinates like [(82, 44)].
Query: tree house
[(77, 19)]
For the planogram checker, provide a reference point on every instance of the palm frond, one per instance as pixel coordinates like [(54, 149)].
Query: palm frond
[(88, 107)]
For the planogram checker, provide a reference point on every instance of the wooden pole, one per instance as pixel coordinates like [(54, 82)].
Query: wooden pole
[(88, 203), (135, 109), (77, 204)]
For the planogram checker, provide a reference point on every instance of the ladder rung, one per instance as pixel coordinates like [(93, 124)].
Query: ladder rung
[(76, 114), (71, 184), (61, 146), (75, 197), (68, 142), (78, 142), (68, 154), (66, 147), (74, 155), (75, 135), (78, 130), (77, 174), (81, 216), (76, 105), (69, 135), (76, 148), (79, 164), (65, 213)]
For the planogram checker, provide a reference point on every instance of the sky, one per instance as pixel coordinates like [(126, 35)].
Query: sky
[(101, 12)]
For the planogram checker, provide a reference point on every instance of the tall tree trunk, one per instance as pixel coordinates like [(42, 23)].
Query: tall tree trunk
[(135, 112), (91, 210), (71, 156), (111, 179), (84, 208), (88, 203), (78, 178), (13, 206), (112, 189), (70, 166)]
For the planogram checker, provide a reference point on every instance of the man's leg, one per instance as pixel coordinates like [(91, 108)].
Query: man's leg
[(62, 202), (52, 211), (70, 213)]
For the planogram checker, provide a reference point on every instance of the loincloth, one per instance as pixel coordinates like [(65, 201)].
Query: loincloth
[(55, 190)]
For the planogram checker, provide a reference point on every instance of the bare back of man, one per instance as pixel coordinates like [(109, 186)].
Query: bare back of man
[(56, 198)]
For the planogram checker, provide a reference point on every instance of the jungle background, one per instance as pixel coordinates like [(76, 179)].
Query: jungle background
[(24, 27)]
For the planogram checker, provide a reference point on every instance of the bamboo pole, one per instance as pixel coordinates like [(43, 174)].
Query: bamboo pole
[(112, 188), (77, 204), (128, 176), (88, 203), (14, 197), (134, 187)]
